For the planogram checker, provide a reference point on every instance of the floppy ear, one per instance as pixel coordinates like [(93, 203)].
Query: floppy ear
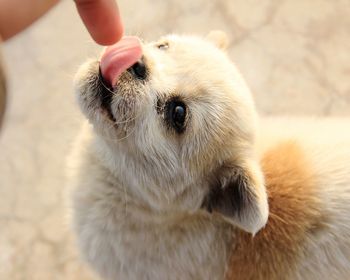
[(239, 194), (218, 38)]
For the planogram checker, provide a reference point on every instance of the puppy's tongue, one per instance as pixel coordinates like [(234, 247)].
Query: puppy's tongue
[(119, 57)]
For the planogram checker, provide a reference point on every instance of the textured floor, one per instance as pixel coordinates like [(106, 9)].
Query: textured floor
[(293, 53)]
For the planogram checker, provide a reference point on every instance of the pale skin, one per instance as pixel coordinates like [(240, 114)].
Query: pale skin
[(100, 17)]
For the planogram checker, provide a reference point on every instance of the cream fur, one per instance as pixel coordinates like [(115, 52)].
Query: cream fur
[(327, 143), (139, 187)]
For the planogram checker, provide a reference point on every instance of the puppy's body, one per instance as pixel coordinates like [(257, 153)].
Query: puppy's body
[(124, 239), (306, 165), (154, 202)]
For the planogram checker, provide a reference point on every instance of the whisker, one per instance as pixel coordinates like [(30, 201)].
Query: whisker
[(112, 126), (119, 139), (100, 78), (126, 121)]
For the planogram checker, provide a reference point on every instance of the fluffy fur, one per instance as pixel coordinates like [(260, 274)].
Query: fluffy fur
[(152, 203)]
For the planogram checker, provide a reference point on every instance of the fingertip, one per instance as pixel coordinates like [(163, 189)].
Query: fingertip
[(109, 36), (102, 20)]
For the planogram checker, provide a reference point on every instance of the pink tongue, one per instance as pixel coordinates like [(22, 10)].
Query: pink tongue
[(119, 57)]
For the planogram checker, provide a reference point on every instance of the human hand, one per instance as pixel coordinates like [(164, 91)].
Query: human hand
[(102, 20), (101, 17)]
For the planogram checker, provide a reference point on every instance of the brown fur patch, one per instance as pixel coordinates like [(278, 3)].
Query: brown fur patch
[(273, 252)]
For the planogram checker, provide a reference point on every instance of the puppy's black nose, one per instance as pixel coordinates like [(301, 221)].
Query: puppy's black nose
[(139, 70)]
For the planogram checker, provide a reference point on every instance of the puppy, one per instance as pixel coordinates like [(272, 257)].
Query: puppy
[(173, 181)]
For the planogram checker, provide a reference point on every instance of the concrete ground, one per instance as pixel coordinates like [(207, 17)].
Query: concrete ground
[(293, 53)]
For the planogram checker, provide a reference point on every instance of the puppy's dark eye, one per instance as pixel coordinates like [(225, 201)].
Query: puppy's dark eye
[(163, 46), (179, 115), (176, 115)]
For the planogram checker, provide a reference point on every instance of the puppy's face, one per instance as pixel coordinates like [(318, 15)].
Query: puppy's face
[(179, 128)]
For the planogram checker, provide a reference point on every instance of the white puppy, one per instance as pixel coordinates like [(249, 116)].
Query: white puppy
[(171, 181)]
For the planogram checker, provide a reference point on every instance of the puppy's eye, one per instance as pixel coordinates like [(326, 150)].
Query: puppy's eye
[(163, 46), (177, 115)]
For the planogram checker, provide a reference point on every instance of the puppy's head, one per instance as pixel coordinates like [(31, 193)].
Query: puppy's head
[(176, 124)]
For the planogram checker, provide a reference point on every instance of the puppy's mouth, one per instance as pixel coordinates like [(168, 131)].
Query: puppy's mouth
[(118, 58), (124, 56), (106, 96)]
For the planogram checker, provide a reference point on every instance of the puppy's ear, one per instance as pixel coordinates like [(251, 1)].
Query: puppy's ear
[(239, 194), (218, 38)]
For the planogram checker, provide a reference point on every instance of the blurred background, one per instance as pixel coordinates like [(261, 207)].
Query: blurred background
[(294, 54)]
